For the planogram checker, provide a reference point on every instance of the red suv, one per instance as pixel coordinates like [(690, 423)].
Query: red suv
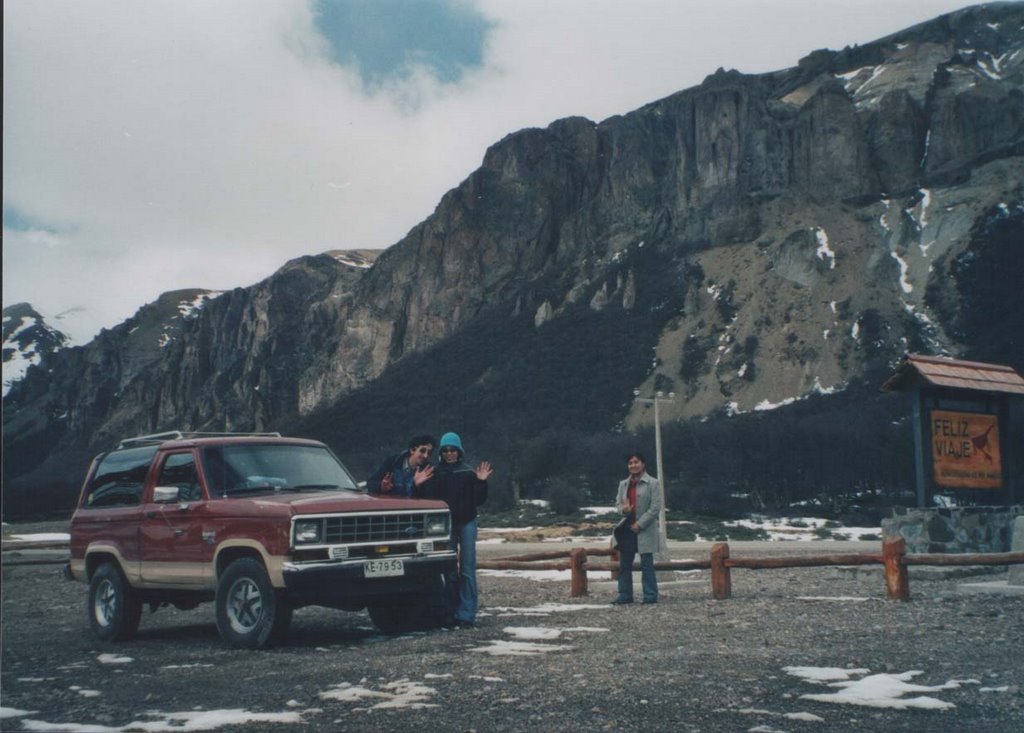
[(257, 523)]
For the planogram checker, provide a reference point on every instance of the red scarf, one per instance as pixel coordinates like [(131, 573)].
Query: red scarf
[(631, 498)]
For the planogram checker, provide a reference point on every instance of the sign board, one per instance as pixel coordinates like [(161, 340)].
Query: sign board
[(965, 450)]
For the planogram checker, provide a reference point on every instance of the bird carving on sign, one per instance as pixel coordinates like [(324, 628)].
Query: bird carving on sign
[(980, 443)]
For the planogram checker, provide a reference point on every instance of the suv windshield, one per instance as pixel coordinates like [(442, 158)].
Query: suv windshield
[(236, 469)]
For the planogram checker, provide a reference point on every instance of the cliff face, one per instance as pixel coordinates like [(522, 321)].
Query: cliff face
[(763, 238)]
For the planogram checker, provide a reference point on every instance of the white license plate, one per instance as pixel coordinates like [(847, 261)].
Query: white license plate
[(383, 568)]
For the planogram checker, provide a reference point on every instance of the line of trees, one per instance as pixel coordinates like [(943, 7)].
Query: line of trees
[(846, 456)]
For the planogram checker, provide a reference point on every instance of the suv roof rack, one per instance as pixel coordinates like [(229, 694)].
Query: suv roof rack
[(157, 438)]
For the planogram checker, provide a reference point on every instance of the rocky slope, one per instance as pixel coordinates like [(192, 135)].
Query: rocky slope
[(744, 243)]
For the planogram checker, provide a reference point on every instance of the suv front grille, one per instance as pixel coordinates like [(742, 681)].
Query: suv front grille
[(377, 527)]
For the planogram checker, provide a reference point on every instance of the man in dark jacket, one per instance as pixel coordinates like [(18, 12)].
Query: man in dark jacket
[(463, 489), (403, 474)]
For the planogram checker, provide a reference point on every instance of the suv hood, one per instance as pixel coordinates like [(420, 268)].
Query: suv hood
[(329, 502)]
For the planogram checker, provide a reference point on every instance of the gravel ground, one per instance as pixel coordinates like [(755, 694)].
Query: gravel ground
[(686, 664)]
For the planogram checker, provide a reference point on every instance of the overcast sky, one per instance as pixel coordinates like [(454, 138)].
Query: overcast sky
[(151, 146)]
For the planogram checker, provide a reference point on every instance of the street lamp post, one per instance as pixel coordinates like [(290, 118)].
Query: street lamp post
[(658, 398)]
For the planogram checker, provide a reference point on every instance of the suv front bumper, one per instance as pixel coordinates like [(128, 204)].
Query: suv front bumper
[(343, 584)]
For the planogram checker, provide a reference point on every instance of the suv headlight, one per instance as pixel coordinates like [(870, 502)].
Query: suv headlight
[(438, 526), (308, 531)]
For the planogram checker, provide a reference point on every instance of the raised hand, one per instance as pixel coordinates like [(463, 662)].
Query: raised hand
[(386, 484), (423, 475), (484, 471)]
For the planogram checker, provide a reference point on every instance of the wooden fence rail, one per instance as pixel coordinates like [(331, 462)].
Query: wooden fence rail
[(12, 552), (893, 558), (15, 545)]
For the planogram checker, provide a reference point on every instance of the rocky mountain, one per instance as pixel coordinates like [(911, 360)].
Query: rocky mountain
[(752, 242), (28, 339)]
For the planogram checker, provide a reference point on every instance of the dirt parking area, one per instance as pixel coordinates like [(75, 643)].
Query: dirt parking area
[(540, 661)]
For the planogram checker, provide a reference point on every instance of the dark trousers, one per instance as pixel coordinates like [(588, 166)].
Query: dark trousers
[(648, 578)]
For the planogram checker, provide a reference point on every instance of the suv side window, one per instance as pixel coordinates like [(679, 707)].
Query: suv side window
[(179, 470), (119, 478)]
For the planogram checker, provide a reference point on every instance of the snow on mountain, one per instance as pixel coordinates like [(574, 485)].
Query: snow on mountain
[(28, 339)]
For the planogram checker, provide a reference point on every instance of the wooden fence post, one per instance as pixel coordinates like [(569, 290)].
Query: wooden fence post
[(721, 581), (897, 584), (578, 567)]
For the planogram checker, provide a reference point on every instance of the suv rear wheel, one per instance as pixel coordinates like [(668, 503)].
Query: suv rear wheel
[(250, 613), (114, 610)]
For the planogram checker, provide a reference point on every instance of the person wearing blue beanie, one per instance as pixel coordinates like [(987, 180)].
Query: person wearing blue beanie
[(463, 489)]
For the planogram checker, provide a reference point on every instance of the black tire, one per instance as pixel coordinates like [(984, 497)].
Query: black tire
[(114, 609), (251, 614)]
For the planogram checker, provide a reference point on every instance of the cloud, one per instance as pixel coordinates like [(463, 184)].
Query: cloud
[(173, 144)]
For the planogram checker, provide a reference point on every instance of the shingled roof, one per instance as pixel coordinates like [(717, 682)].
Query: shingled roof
[(917, 370)]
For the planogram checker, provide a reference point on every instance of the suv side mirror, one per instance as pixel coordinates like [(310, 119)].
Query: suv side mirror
[(165, 494)]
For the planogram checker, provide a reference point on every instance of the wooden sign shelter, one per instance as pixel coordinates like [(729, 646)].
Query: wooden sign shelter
[(961, 423)]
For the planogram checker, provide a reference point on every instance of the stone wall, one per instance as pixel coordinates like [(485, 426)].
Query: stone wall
[(962, 529), (1015, 575)]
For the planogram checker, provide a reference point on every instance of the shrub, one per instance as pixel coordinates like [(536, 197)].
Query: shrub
[(564, 496)]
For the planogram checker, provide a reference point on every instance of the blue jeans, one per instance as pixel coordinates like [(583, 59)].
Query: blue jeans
[(648, 578), (462, 592)]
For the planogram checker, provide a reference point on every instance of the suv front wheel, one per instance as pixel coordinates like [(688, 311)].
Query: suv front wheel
[(250, 613), (114, 609)]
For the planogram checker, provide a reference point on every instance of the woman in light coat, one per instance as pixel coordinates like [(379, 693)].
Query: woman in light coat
[(640, 500)]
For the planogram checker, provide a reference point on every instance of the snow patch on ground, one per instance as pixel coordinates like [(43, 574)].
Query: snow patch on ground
[(503, 648), (198, 720), (527, 641), (538, 575), (545, 609), (185, 666), (801, 528), (544, 633), (874, 690), (841, 599), (399, 694), (13, 713), (84, 692), (113, 659)]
